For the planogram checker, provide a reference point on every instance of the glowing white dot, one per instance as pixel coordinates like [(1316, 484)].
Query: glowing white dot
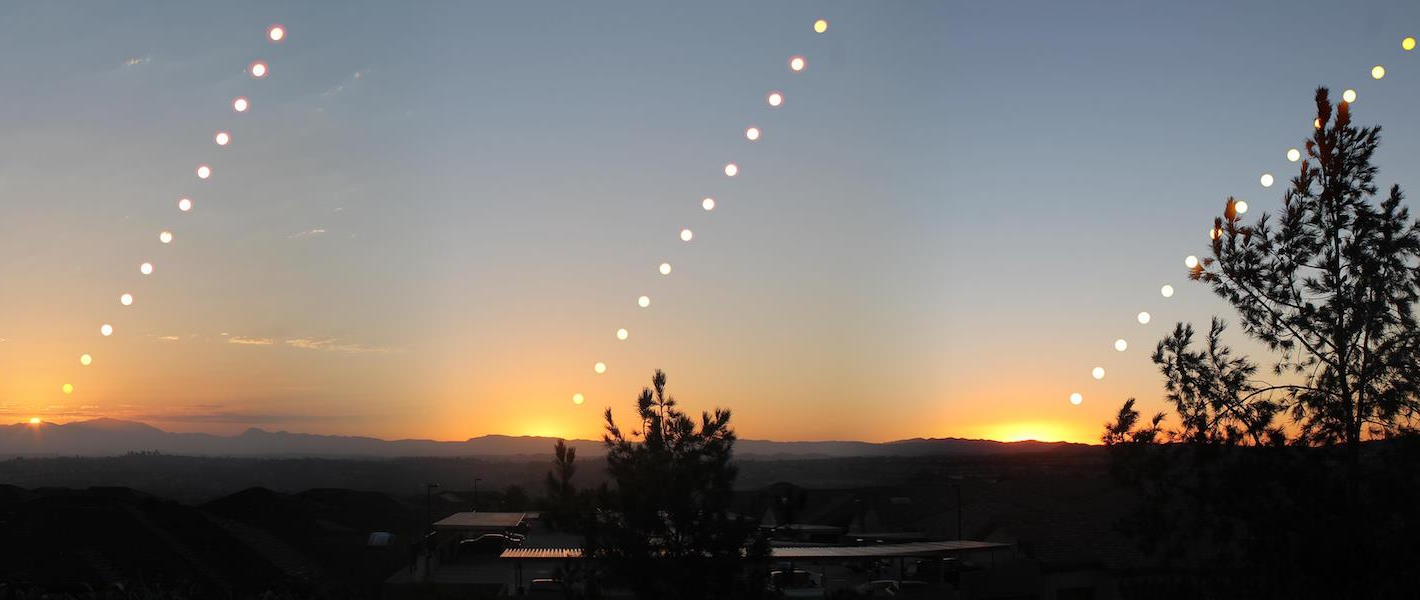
[(1407, 44), (665, 268), (222, 138), (1316, 122), (258, 69), (240, 104), (621, 334), (752, 134), (86, 360), (1190, 262), (1143, 318), (1097, 372), (1166, 291), (797, 64), (106, 330), (686, 235), (126, 299), (820, 26), (1377, 72), (276, 33), (708, 204), (1076, 398), (1294, 155), (1120, 345), (146, 268), (166, 237), (204, 171), (578, 399), (599, 368), (1240, 206), (67, 388), (774, 99), (1265, 180), (732, 170), (643, 301), (184, 204), (1349, 96), (1215, 233)]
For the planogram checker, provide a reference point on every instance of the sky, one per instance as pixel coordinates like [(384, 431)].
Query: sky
[(433, 218)]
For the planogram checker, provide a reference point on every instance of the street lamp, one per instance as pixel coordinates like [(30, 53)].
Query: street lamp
[(429, 504)]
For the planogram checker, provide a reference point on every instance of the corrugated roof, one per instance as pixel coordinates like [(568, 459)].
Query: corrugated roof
[(803, 553), (480, 520)]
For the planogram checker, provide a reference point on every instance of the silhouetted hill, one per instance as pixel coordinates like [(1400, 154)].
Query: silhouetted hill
[(108, 437)]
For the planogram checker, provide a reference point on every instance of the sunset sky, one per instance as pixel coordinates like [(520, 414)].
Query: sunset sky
[(433, 219)]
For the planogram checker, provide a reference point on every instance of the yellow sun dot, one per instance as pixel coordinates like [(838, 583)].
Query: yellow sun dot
[(752, 134), (1294, 155), (34, 421), (106, 330), (821, 26), (1377, 72), (184, 204), (146, 268), (1316, 123), (1215, 233), (578, 399), (708, 204), (1407, 44), (1349, 96), (1143, 318), (1266, 180), (774, 99), (732, 170), (599, 368), (665, 268), (1120, 345), (621, 334), (67, 388), (166, 237), (643, 301), (222, 138), (1240, 206), (258, 69), (797, 64), (204, 171), (86, 360), (686, 235), (126, 299), (276, 33), (1097, 372), (1076, 398), (1190, 262), (240, 104), (1166, 291)]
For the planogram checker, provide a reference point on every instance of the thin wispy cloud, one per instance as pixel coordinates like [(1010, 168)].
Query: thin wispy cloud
[(250, 341), (335, 345), (136, 60), (305, 234)]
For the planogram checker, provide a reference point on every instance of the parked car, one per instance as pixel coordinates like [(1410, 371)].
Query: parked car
[(488, 544), (799, 584)]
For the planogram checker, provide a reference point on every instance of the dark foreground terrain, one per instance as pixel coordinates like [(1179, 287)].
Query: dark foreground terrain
[(178, 527)]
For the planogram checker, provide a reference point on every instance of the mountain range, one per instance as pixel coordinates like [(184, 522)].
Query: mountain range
[(108, 437)]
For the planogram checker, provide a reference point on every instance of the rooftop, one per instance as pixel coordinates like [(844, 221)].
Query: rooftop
[(941, 548), (481, 520)]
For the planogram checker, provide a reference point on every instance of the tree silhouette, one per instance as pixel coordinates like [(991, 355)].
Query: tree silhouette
[(1328, 286), (670, 533), (561, 495)]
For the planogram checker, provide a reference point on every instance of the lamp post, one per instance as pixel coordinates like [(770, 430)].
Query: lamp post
[(429, 504)]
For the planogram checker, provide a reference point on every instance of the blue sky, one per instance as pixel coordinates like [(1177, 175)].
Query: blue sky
[(438, 214)]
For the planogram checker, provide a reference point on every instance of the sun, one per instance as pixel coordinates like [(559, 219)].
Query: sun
[(34, 421)]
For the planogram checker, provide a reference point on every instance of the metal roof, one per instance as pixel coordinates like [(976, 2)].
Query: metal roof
[(480, 520), (803, 553)]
